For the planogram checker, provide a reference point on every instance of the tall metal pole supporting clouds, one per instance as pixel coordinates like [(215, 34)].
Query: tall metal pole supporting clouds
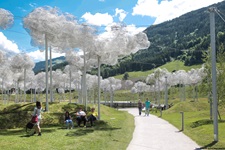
[(46, 72), (214, 90), (166, 93)]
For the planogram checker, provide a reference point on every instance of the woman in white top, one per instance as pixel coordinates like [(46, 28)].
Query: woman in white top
[(81, 116), (37, 112)]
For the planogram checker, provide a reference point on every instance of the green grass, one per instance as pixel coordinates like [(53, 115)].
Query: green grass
[(114, 131), (197, 123), (174, 65)]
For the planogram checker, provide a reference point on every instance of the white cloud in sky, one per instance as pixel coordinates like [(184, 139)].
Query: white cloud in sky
[(107, 20), (33, 5), (8, 46), (23, 10), (121, 13), (98, 19), (132, 29), (169, 9), (40, 55)]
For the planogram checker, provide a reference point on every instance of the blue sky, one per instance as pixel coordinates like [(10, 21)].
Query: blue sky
[(138, 14)]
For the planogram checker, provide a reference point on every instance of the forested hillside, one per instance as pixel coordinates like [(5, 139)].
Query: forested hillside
[(183, 38), (57, 63)]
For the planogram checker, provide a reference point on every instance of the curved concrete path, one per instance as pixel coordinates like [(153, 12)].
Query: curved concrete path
[(154, 133)]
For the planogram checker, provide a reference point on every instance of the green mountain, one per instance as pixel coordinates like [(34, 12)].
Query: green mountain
[(184, 38), (57, 63)]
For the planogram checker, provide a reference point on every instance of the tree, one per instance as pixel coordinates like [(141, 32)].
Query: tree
[(221, 74), (125, 76)]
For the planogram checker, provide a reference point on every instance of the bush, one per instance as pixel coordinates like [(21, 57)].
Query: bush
[(18, 115)]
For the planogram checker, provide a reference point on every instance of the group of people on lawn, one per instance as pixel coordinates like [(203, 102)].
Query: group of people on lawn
[(81, 116)]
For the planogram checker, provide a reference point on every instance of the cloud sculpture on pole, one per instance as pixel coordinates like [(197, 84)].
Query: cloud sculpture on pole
[(60, 27), (116, 43), (125, 43), (46, 25), (6, 19)]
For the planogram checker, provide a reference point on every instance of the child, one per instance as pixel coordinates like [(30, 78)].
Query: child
[(37, 112), (68, 120)]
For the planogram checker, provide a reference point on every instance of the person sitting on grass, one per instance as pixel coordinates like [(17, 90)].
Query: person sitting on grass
[(92, 116), (68, 120), (81, 116)]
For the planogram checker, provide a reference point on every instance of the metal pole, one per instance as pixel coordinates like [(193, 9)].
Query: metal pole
[(2, 92), (25, 71), (99, 90), (214, 90), (81, 90), (166, 94), (46, 71), (158, 92), (84, 81), (51, 93), (182, 120), (160, 111), (70, 84)]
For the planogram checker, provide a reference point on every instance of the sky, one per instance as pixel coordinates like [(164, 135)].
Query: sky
[(137, 14)]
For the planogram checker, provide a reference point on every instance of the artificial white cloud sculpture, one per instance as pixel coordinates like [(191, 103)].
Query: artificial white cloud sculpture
[(6, 19)]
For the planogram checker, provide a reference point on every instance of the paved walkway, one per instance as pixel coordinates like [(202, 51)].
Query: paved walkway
[(154, 133)]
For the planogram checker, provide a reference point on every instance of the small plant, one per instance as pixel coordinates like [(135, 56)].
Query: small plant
[(125, 76)]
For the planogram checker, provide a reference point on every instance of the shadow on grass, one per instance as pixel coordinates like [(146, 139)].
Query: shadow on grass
[(83, 131), (29, 134), (9, 132), (13, 108), (79, 132), (204, 122), (107, 128), (208, 146), (12, 132)]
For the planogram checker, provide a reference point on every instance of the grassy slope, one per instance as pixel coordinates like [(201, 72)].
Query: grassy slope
[(112, 133), (175, 65), (198, 125)]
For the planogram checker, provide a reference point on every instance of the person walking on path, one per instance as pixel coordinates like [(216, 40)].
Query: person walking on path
[(147, 106), (140, 106)]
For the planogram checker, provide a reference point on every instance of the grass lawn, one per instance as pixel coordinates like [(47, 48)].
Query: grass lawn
[(197, 123), (114, 131)]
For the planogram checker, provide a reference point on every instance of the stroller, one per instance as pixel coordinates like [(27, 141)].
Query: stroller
[(31, 123), (29, 126)]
